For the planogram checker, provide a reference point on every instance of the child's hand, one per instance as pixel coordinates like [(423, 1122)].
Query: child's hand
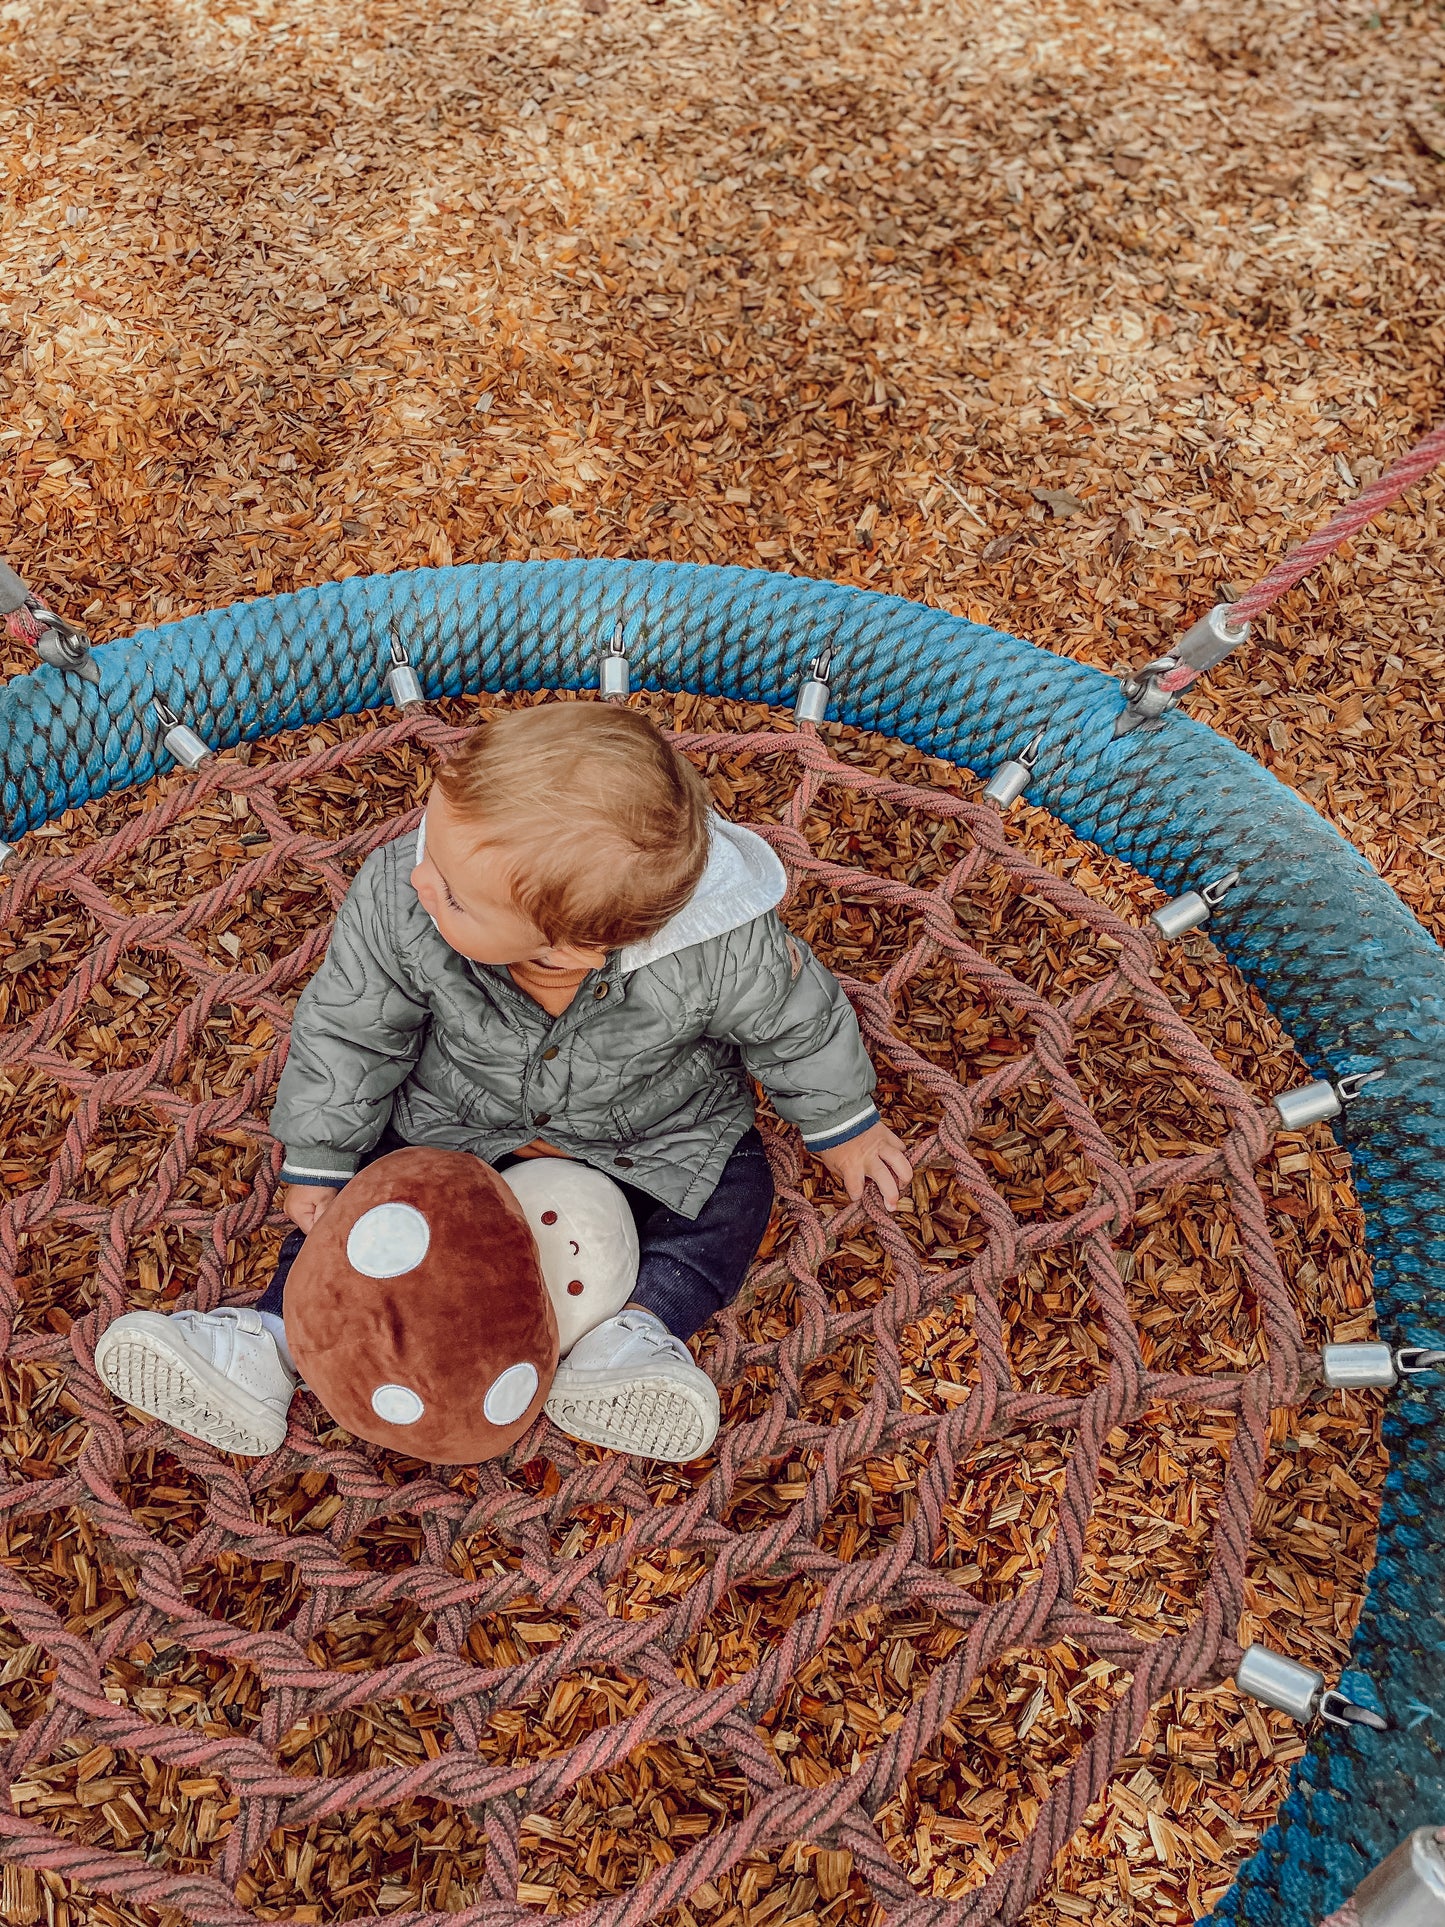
[(875, 1153), (304, 1203)]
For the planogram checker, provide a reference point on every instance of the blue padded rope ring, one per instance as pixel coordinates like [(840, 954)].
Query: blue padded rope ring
[(1340, 961)]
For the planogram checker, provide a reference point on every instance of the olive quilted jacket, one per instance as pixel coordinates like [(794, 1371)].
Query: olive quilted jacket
[(645, 1075)]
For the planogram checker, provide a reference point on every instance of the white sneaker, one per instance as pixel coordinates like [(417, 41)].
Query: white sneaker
[(215, 1375), (630, 1385)]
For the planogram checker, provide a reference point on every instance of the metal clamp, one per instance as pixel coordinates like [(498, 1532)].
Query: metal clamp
[(1362, 1367), (1359, 1367), (1407, 1889), (1187, 912), (814, 691), (14, 593), (1144, 701), (1209, 641), (1321, 1099), (64, 645), (614, 679), (1300, 1691), (402, 683), (1011, 779), (183, 743)]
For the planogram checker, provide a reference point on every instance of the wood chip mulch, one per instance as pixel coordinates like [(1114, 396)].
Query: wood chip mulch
[(1073, 316), (1066, 319), (1210, 1768)]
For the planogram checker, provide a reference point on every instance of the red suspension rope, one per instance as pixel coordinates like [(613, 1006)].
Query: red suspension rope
[(1425, 456), (1389, 487)]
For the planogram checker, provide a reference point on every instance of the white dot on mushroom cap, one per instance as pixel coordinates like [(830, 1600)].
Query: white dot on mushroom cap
[(388, 1240), (510, 1395), (397, 1404)]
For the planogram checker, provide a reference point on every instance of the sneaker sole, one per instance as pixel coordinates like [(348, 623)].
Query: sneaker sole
[(652, 1416), (144, 1367)]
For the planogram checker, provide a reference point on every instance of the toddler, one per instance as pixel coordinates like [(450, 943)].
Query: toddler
[(573, 956)]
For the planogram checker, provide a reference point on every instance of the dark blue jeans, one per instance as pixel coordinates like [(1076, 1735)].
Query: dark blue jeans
[(691, 1267)]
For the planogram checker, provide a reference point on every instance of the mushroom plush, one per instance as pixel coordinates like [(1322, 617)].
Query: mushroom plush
[(425, 1308), (586, 1238), (417, 1312)]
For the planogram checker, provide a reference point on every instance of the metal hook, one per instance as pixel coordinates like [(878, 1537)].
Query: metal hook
[(1011, 779), (1353, 1082), (181, 740), (811, 702), (615, 680), (1340, 1711), (402, 682), (1325, 1097), (1186, 913), (1413, 1359)]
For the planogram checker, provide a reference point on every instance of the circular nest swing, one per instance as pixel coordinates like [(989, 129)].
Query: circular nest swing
[(993, 1509)]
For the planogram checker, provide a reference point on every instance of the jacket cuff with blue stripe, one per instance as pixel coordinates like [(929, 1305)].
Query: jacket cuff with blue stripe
[(836, 1134), (317, 1164)]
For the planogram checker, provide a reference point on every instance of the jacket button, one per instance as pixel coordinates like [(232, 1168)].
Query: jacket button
[(626, 1163), (549, 1053), (542, 1117), (600, 991)]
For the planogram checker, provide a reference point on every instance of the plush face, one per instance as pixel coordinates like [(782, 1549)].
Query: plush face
[(417, 1313), (586, 1238)]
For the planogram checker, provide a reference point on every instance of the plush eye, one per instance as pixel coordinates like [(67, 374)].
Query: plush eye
[(397, 1404), (576, 1248), (388, 1240), (509, 1395)]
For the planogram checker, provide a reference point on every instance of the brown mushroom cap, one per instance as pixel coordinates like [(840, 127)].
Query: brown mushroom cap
[(416, 1310)]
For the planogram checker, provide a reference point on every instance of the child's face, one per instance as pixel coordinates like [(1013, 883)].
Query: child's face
[(466, 893)]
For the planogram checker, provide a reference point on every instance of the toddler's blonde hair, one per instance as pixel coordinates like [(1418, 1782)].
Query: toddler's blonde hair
[(602, 825)]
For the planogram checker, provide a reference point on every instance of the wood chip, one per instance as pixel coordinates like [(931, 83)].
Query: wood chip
[(839, 294)]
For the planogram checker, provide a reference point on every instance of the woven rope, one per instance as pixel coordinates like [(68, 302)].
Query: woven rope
[(909, 1573)]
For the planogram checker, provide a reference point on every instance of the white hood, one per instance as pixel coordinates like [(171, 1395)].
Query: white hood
[(743, 880)]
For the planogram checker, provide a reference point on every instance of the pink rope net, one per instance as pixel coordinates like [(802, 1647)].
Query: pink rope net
[(531, 1520)]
